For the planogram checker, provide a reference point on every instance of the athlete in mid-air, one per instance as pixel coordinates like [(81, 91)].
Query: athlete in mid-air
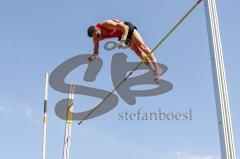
[(128, 35)]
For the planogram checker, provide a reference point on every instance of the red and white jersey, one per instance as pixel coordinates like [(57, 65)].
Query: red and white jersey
[(110, 33)]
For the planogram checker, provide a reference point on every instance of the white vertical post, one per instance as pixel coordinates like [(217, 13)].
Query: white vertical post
[(68, 127), (45, 118), (220, 84)]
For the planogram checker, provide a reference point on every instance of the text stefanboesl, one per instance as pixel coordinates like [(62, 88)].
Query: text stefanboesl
[(139, 115)]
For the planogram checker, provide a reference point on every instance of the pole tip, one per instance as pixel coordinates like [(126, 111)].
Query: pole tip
[(199, 1)]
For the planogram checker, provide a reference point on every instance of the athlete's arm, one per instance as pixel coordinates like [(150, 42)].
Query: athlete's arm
[(96, 46), (95, 50)]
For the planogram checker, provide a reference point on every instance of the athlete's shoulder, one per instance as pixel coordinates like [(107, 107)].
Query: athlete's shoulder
[(110, 21), (99, 24)]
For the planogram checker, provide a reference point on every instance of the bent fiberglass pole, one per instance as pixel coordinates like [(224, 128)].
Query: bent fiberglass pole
[(220, 84)]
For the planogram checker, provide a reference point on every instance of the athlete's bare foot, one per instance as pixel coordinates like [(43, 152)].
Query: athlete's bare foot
[(157, 73), (157, 80)]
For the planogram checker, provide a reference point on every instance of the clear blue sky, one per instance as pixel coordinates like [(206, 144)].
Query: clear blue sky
[(37, 36)]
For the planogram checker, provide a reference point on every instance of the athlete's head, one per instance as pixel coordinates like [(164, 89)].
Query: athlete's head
[(93, 31), (90, 30)]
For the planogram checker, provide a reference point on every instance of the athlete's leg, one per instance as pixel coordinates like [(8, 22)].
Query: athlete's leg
[(138, 42), (143, 56), (139, 52), (137, 39)]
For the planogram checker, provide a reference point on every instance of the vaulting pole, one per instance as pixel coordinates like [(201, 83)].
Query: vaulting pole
[(220, 84), (45, 118), (68, 127), (144, 60)]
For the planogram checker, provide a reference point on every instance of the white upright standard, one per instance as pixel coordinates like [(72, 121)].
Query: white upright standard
[(45, 118), (220, 84), (68, 127)]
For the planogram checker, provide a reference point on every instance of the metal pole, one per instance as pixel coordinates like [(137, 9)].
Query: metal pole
[(45, 118), (68, 127), (220, 84)]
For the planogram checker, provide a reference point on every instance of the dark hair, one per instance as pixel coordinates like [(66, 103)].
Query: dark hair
[(90, 30)]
